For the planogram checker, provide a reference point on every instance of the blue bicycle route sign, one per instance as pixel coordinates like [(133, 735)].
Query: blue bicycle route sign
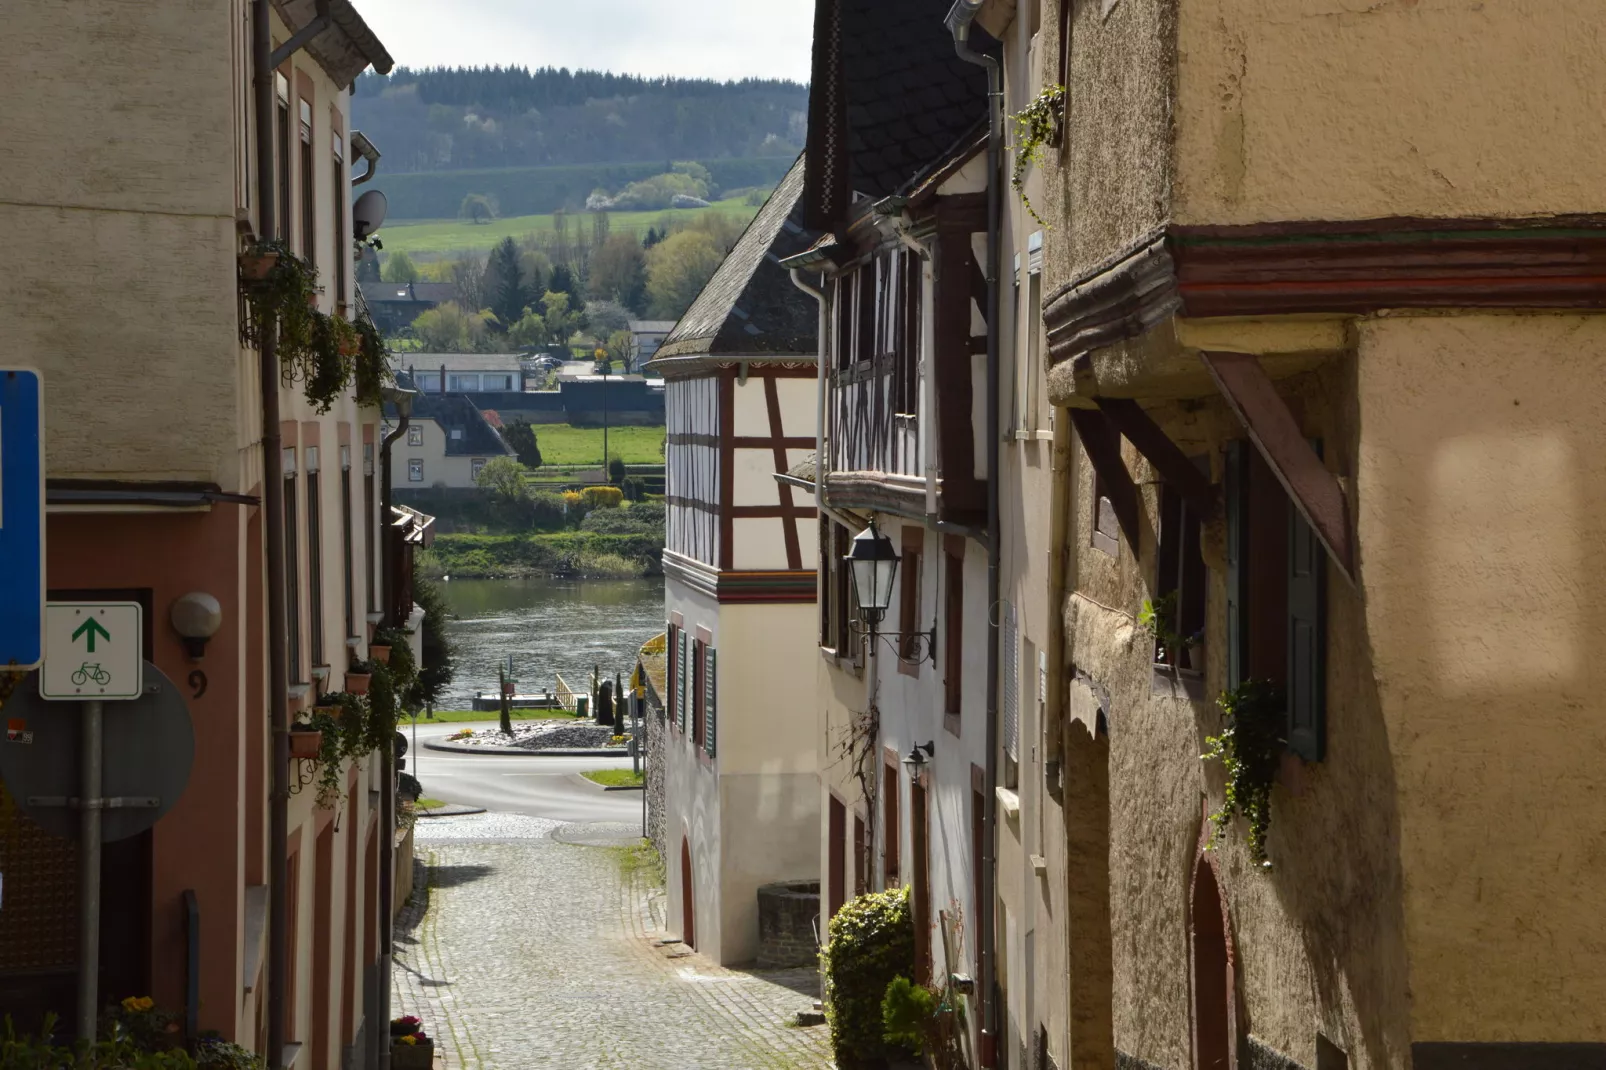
[(22, 518)]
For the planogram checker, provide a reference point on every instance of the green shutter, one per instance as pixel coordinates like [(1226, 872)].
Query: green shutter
[(708, 700), (681, 688), (1237, 509), (1307, 605)]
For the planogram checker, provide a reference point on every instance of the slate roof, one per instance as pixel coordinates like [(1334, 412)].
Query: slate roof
[(457, 412), (908, 100), (417, 292), (750, 307)]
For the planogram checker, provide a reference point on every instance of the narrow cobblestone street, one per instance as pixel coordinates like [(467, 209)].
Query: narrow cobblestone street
[(534, 943)]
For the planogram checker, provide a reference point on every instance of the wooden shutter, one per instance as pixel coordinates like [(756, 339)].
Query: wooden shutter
[(680, 683), (1237, 509), (1307, 605), (710, 682)]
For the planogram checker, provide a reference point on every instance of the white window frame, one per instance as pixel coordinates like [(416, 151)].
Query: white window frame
[(415, 435), (415, 469)]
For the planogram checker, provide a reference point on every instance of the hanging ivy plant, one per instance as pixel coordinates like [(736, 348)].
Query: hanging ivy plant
[(1249, 749), (316, 350), (1037, 126), (372, 366), (341, 717)]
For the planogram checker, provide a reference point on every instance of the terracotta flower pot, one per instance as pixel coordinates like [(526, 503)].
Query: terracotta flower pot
[(306, 744), (379, 653), (357, 682), (255, 268)]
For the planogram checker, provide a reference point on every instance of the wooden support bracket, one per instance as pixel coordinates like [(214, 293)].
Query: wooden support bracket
[(1314, 490), (1103, 445), (1167, 457)]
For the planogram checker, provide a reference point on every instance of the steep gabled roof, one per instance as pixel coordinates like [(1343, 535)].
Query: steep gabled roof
[(455, 412), (891, 99), (750, 307)]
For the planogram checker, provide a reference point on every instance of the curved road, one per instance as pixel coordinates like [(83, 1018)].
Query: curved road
[(540, 787)]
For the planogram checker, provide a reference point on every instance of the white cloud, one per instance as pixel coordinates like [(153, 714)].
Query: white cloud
[(704, 39)]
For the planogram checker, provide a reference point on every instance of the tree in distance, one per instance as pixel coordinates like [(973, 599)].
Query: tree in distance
[(399, 267), (619, 271), (607, 316), (503, 477), (521, 436), (446, 328), (621, 346), (616, 470), (504, 282), (677, 270), (478, 208)]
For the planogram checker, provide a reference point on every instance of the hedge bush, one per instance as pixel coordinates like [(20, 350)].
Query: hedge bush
[(871, 942), (603, 497)]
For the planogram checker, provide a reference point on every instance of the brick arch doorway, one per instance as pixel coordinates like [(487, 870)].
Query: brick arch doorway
[(688, 908), (1214, 1026)]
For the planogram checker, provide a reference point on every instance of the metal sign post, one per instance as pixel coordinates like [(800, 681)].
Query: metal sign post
[(92, 656)]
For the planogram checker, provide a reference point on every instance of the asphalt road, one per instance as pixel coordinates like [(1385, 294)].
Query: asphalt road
[(540, 787)]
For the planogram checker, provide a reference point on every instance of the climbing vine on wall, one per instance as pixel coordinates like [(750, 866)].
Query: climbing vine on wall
[(1037, 127), (1249, 748)]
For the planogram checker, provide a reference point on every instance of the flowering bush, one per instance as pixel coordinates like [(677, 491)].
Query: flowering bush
[(408, 1030)]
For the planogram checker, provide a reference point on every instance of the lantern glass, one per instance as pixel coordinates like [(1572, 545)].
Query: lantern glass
[(875, 567)]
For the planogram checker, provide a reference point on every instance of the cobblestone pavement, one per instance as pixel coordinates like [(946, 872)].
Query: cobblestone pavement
[(540, 945)]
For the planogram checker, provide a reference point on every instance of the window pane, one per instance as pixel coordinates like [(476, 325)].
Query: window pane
[(415, 471)]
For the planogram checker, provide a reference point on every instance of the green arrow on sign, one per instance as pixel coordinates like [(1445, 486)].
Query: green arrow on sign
[(90, 627)]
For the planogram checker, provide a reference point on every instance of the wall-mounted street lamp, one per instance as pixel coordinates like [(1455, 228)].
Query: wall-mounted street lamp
[(916, 759), (196, 617), (874, 565)]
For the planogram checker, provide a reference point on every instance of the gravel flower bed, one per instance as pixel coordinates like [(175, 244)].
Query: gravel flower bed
[(545, 735)]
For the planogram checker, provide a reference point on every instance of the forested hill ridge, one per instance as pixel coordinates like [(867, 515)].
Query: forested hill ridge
[(478, 118)]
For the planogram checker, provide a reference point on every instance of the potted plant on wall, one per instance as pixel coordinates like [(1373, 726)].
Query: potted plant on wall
[(1196, 651), (305, 741), (359, 676), (410, 1047), (1250, 749)]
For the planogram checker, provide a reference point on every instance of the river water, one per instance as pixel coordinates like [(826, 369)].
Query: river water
[(548, 626)]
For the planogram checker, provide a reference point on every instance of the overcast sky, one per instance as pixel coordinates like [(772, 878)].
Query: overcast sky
[(692, 38)]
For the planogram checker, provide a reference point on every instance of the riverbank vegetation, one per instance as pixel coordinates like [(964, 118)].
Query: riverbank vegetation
[(581, 553)]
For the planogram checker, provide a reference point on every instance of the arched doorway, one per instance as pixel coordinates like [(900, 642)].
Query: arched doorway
[(688, 908), (1214, 1029)]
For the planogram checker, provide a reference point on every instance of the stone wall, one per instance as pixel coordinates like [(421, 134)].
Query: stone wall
[(656, 730), (786, 914)]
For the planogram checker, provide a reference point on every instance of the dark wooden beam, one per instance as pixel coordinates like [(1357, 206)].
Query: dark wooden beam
[(1103, 445), (1167, 457), (1314, 490)]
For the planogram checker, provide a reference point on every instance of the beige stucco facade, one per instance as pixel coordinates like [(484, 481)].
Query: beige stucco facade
[(1426, 900), (119, 199)]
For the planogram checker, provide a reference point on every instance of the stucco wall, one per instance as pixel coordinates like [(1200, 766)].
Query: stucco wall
[(1481, 505), (1319, 937), (1351, 109), (1110, 183)]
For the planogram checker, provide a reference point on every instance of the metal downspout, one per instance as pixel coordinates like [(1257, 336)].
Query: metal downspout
[(387, 753), (273, 541), (822, 363), (960, 18)]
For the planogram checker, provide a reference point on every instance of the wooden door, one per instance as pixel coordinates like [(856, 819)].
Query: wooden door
[(688, 907), (920, 878), (836, 870)]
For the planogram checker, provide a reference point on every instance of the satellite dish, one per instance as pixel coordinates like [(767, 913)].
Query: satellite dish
[(367, 214)]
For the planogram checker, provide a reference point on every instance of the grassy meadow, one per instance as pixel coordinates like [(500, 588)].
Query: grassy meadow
[(434, 239), (566, 446)]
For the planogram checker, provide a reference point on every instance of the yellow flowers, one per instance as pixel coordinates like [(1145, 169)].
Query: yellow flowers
[(408, 1039), (138, 1003)]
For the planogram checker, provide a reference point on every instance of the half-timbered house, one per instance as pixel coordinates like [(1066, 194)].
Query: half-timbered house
[(897, 181), (740, 796)]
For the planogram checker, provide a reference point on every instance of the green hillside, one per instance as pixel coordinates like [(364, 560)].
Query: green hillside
[(523, 191), (434, 239)]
